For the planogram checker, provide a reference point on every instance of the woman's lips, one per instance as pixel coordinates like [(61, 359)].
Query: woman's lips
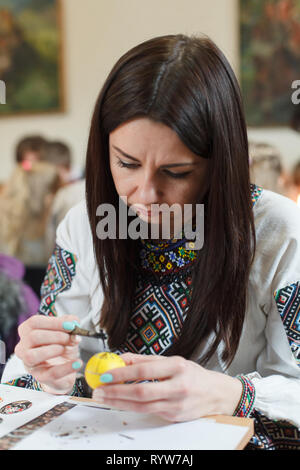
[(141, 211), (145, 212)]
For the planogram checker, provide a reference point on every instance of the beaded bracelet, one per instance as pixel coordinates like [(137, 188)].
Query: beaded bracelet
[(246, 403)]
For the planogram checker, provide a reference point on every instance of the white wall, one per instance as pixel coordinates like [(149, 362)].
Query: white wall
[(96, 34)]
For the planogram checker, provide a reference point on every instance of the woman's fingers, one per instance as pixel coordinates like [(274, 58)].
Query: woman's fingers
[(181, 392), (63, 386), (33, 357), (131, 358), (149, 370), (155, 407), (36, 338), (36, 356), (49, 352), (57, 374), (141, 392), (43, 322), (168, 386), (40, 332)]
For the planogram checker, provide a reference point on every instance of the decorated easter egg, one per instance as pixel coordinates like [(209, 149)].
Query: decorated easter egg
[(99, 364)]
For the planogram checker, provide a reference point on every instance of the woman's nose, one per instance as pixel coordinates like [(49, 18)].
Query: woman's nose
[(148, 191)]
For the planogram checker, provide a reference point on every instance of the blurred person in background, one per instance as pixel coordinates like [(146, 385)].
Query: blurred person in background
[(59, 154), (295, 120), (294, 191), (17, 302), (24, 207), (294, 183), (296, 175), (266, 168), (71, 191), (30, 149)]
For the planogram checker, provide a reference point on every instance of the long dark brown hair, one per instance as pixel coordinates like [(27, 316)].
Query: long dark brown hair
[(187, 84)]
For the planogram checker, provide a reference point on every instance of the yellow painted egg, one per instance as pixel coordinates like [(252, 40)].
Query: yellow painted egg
[(99, 364)]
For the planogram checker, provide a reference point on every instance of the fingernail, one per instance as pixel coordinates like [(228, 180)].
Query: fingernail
[(68, 325), (75, 339), (76, 365), (106, 378)]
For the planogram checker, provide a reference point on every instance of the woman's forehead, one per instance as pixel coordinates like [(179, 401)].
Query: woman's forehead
[(143, 137)]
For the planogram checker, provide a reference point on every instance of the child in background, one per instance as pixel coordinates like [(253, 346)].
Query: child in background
[(266, 168), (24, 207), (296, 175), (294, 184), (30, 149), (71, 191), (59, 154)]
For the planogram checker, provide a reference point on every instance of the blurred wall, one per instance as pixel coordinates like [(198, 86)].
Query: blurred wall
[(96, 34)]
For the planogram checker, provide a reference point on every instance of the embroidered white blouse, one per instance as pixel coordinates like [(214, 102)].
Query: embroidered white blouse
[(269, 349)]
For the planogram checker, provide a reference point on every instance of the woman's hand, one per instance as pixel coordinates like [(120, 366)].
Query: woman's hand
[(50, 354), (185, 390)]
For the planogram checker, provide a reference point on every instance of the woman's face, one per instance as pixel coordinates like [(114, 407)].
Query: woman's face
[(151, 165)]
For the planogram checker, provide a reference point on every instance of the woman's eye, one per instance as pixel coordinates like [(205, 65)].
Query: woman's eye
[(133, 166), (177, 175), (126, 165)]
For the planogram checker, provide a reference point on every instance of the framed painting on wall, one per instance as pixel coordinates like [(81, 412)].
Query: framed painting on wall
[(270, 60), (31, 56)]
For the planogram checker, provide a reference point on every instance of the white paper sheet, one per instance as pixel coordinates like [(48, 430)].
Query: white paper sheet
[(88, 428), (36, 403)]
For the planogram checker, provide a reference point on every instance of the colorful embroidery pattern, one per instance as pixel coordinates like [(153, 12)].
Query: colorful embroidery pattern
[(160, 262), (256, 192), (288, 305), (166, 258), (163, 294), (273, 435), (26, 381), (59, 276), (158, 315)]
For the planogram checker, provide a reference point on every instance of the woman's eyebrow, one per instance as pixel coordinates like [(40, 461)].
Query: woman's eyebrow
[(162, 166), (125, 154)]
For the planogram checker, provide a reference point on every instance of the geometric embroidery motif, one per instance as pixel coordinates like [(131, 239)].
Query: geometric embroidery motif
[(273, 435), (255, 193), (288, 305), (157, 317), (163, 293), (59, 275)]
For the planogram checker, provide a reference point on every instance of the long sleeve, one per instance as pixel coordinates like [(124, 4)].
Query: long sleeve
[(277, 396), (275, 324)]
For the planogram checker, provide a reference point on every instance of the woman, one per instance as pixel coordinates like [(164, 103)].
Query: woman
[(209, 330)]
